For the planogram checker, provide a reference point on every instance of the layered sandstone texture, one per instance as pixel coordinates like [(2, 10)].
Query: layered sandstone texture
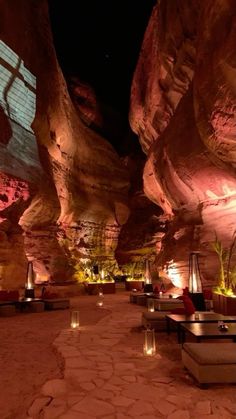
[(183, 102), (62, 184), (141, 235)]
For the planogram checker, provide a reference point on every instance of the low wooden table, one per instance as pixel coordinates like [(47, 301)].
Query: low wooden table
[(179, 319), (208, 331)]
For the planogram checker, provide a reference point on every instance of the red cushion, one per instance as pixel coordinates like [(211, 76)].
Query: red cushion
[(13, 295), (188, 305), (9, 295), (186, 291), (3, 295), (156, 290)]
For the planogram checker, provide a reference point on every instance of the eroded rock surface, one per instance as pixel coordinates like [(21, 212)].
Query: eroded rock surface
[(183, 109), (77, 183)]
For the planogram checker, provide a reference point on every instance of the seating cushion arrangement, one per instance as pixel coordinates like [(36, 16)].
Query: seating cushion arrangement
[(168, 304), (141, 300), (210, 363), (56, 303), (6, 295), (154, 320), (49, 293), (36, 306), (7, 310)]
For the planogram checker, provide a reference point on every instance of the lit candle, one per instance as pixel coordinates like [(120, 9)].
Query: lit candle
[(150, 304), (149, 347), (100, 298), (74, 319), (149, 351)]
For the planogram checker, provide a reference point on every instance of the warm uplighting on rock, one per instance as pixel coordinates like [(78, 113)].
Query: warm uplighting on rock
[(174, 275), (41, 278)]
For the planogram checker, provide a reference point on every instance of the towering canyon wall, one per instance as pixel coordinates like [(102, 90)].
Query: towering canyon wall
[(62, 185), (183, 109)]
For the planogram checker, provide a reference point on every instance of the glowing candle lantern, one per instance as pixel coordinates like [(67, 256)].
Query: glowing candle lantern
[(100, 302), (74, 319), (160, 294), (150, 305), (149, 347), (100, 298), (100, 292)]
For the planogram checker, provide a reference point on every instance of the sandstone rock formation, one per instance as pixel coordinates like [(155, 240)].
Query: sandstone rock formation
[(142, 233), (76, 184), (183, 109)]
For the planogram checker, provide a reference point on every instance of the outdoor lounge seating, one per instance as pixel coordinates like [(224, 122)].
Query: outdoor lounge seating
[(154, 320), (56, 303), (168, 304), (210, 364), (7, 310), (9, 295), (36, 306)]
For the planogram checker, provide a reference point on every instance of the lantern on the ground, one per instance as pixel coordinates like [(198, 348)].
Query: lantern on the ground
[(149, 347), (100, 299), (74, 319), (150, 305)]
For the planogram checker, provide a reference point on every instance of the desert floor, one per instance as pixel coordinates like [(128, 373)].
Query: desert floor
[(48, 371)]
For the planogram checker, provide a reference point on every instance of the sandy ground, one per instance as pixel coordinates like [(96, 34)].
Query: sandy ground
[(27, 355), (28, 359)]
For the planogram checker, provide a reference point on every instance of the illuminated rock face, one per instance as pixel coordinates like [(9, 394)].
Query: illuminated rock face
[(77, 186), (141, 234), (14, 197), (183, 109)]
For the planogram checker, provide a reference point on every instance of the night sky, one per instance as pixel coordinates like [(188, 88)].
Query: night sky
[(99, 42)]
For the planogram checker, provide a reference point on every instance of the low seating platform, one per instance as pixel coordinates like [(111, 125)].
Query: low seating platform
[(154, 320), (167, 304), (32, 305), (56, 303), (209, 363), (7, 310)]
